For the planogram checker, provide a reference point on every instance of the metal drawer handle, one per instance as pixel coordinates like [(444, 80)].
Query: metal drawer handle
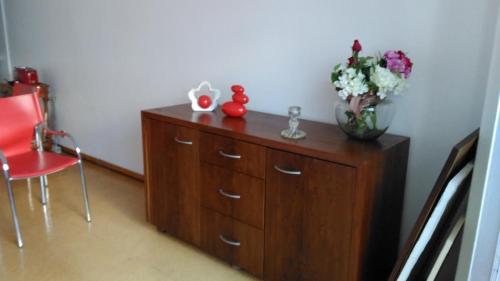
[(182, 141), (228, 195), (229, 242), (233, 156), (294, 173)]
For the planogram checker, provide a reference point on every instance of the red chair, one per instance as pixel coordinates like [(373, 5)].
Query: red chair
[(22, 89), (21, 123)]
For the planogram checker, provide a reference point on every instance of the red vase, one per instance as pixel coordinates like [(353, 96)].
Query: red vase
[(240, 97), (234, 109), (204, 101), (237, 89)]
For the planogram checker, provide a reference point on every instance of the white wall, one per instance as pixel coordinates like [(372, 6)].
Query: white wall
[(483, 217), (107, 60)]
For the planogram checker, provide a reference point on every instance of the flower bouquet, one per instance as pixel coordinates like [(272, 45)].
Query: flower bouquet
[(363, 84)]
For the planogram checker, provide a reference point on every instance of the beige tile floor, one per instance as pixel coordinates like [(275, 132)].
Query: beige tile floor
[(118, 245)]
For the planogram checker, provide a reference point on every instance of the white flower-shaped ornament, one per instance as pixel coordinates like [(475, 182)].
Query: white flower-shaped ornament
[(205, 88)]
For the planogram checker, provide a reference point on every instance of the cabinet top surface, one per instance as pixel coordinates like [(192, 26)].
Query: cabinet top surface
[(323, 141)]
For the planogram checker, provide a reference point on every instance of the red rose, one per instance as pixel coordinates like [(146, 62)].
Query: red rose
[(352, 60), (406, 61), (356, 47)]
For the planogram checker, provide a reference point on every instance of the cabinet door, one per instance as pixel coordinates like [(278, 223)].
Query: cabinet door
[(173, 179), (308, 218)]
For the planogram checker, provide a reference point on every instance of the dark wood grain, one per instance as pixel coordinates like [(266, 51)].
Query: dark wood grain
[(171, 171), (308, 231), (327, 220), (284, 225), (187, 168), (148, 178), (252, 161), (213, 225), (323, 141), (338, 220), (249, 208), (249, 255), (378, 210)]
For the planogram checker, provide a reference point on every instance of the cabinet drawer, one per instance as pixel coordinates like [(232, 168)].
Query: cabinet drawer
[(236, 155), (233, 194), (237, 243)]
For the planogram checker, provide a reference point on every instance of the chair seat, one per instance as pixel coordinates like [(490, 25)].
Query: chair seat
[(38, 163)]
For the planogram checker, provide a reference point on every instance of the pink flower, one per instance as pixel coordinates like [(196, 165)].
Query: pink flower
[(391, 55), (397, 61)]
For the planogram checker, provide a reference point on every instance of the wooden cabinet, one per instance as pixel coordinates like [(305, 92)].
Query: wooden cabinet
[(173, 179), (322, 208)]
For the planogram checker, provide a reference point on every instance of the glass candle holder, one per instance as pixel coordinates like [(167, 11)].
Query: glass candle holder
[(293, 131)]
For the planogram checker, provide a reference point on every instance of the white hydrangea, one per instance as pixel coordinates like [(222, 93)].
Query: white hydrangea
[(351, 83), (386, 81)]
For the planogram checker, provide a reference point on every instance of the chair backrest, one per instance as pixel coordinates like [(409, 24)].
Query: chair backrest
[(22, 89), (18, 117)]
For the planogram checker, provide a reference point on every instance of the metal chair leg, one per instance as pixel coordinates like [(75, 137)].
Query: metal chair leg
[(84, 191), (46, 181), (14, 214), (43, 191)]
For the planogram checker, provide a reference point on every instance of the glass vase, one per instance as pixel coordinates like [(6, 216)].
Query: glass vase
[(369, 123)]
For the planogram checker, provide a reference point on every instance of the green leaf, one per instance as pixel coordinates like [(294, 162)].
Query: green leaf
[(373, 87), (361, 127), (335, 76), (366, 72)]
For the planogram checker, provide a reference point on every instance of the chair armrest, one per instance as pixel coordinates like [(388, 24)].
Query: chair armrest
[(54, 133), (62, 134)]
